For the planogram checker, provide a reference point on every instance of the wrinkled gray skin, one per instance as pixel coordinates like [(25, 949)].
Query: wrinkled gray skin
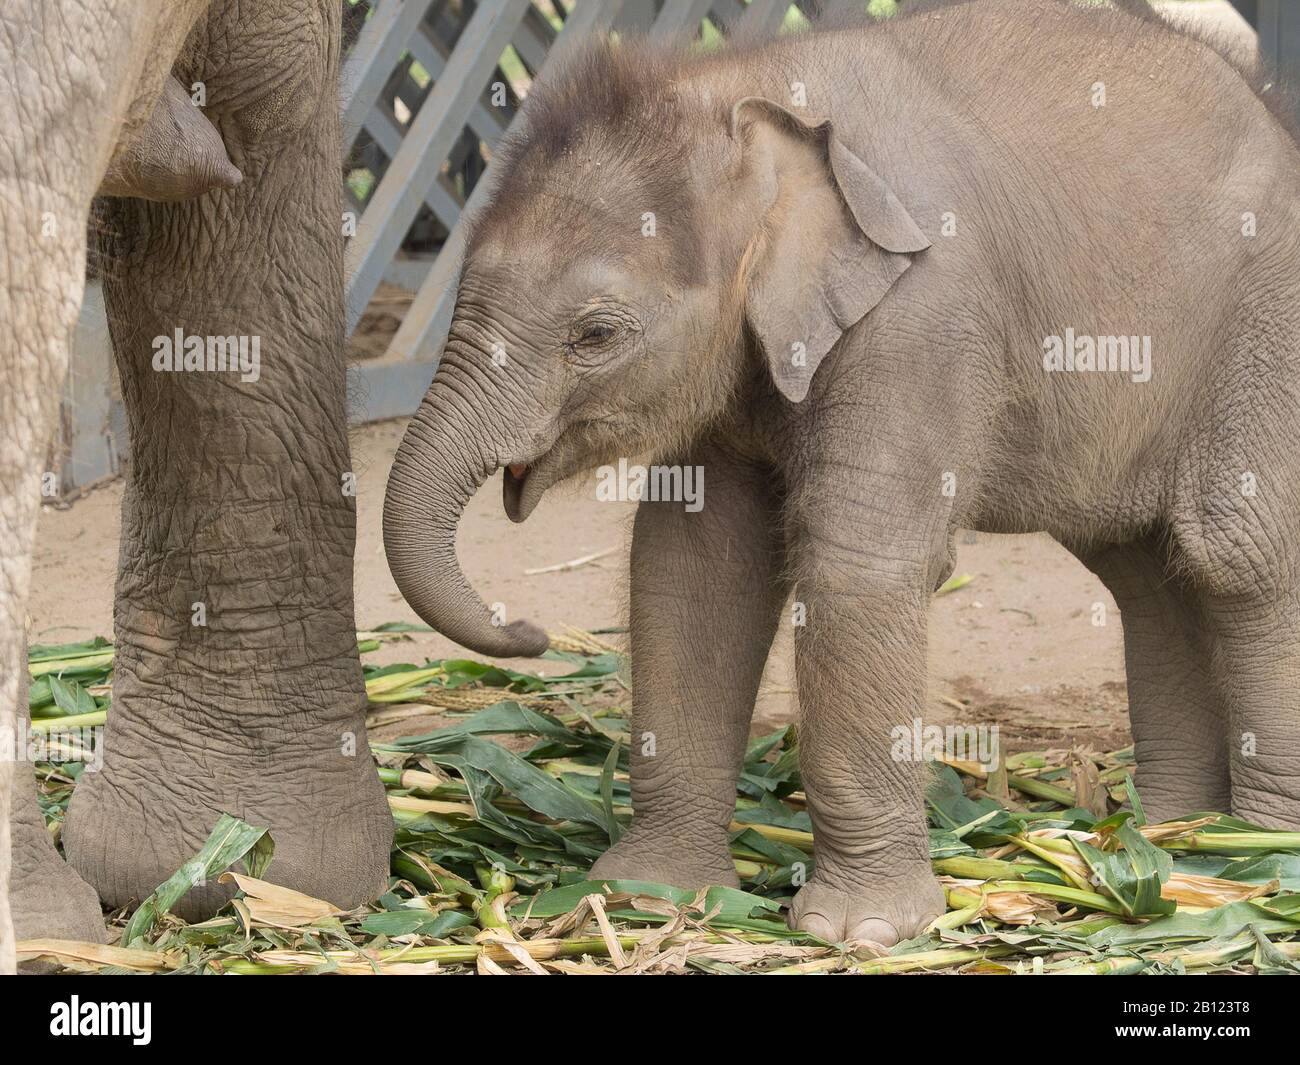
[(824, 226), (235, 497)]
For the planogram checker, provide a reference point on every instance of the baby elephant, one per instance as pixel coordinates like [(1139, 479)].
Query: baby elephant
[(1009, 266)]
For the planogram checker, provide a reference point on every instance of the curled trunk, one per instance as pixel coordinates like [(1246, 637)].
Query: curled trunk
[(436, 470)]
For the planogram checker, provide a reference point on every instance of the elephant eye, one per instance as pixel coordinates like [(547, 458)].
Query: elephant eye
[(599, 331), (594, 334)]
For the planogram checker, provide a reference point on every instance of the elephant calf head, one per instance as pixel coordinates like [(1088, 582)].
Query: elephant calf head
[(657, 238)]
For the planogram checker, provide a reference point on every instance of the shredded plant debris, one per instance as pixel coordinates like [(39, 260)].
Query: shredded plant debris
[(500, 814)]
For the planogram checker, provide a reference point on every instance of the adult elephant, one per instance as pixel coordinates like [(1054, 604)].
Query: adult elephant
[(237, 687)]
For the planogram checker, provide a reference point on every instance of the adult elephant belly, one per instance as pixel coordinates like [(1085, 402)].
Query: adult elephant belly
[(237, 687)]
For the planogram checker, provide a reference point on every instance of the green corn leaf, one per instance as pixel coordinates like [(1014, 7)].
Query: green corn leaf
[(415, 922), (1132, 876), (953, 809), (84, 649), (1139, 816), (732, 904), (230, 840), (612, 826), (70, 697), (39, 695), (1268, 960), (1222, 922)]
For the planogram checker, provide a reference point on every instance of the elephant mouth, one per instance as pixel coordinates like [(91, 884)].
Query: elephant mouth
[(525, 481), (523, 484), (512, 485)]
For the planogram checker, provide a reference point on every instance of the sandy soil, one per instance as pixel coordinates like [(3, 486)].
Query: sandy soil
[(1016, 647)]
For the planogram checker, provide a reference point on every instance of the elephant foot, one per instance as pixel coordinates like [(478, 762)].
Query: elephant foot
[(1266, 809), (885, 912), (150, 809), (47, 898), (661, 859), (1168, 797)]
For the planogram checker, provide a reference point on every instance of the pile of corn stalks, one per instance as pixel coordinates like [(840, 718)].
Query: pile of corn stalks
[(500, 814)]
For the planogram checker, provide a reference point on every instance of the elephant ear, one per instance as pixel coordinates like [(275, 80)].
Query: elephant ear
[(833, 240)]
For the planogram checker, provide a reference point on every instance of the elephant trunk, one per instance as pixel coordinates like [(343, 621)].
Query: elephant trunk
[(436, 471)]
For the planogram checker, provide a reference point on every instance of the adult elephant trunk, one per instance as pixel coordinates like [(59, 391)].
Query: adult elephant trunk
[(437, 469)]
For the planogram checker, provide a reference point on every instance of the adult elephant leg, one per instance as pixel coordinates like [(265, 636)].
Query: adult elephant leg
[(1179, 720), (706, 596), (40, 290), (237, 687), (75, 77), (37, 312), (49, 899)]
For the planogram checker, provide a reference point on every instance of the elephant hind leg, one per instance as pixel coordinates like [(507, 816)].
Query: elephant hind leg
[(1234, 526), (1257, 667), (1178, 716)]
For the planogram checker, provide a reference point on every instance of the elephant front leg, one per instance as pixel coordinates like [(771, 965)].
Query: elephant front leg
[(236, 684), (860, 662), (39, 895), (706, 597), (61, 67)]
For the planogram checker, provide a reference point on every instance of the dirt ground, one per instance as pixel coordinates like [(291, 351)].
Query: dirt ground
[(1016, 647)]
